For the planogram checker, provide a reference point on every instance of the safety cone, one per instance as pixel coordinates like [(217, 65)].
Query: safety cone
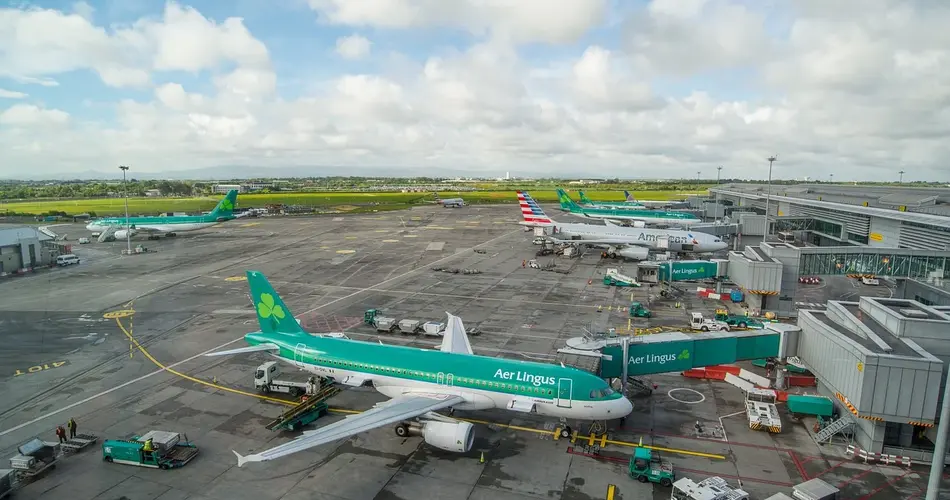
[(214, 379), (482, 459)]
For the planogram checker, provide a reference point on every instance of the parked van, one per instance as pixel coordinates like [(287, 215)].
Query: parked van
[(68, 259)]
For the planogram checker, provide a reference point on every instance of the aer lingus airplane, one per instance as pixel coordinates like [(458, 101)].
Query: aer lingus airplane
[(116, 226), (587, 202), (420, 381), (642, 216), (628, 242), (655, 203)]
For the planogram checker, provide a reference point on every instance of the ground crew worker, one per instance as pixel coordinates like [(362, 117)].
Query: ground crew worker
[(72, 427), (147, 449), (523, 262), (61, 433)]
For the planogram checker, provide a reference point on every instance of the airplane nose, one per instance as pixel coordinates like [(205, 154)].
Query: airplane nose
[(621, 408)]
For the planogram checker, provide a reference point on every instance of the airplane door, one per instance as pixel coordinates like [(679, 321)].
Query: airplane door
[(298, 354), (565, 390), (440, 378), (449, 379)]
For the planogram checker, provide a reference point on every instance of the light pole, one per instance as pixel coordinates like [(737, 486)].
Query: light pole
[(831, 178), (718, 208), (128, 236), (901, 181), (768, 195)]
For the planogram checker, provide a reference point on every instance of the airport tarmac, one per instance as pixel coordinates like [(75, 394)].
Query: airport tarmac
[(187, 296)]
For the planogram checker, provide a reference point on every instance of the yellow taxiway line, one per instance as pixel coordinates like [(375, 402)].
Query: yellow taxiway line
[(555, 433)]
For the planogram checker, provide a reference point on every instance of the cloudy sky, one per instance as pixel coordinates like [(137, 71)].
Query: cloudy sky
[(631, 88)]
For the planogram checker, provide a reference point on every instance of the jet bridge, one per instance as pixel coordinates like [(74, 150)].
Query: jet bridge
[(623, 357)]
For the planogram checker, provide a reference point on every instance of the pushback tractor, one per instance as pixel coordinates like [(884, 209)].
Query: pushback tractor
[(645, 465), (170, 450)]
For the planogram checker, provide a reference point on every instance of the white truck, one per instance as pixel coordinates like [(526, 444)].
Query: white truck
[(761, 410), (266, 380), (699, 322)]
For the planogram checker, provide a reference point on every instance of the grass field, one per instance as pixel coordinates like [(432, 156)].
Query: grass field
[(386, 201)]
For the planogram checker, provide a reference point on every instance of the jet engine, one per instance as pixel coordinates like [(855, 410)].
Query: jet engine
[(455, 437), (634, 253), (638, 223), (123, 234)]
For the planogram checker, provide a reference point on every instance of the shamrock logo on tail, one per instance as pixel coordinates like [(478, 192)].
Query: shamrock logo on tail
[(266, 307), (227, 205)]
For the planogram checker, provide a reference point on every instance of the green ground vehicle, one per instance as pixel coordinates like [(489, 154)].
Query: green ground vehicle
[(638, 311), (645, 465), (739, 321), (172, 450)]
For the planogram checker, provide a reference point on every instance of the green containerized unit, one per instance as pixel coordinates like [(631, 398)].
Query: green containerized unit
[(810, 405), (686, 270)]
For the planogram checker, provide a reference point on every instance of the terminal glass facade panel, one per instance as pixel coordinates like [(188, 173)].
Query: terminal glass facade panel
[(912, 266)]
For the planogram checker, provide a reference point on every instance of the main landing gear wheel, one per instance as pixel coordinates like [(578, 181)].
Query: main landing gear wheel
[(402, 430), (565, 432), (171, 235)]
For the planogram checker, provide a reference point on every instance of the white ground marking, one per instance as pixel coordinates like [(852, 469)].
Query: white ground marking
[(674, 398), (723, 427)]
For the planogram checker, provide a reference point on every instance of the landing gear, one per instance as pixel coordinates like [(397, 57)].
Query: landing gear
[(170, 235), (402, 430), (566, 432)]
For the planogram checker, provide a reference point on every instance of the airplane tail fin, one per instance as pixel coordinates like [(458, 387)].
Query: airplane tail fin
[(628, 196), (531, 211), (566, 202), (584, 198), (273, 315), (225, 207)]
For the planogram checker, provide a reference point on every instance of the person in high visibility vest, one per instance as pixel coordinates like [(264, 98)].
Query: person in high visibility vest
[(147, 449)]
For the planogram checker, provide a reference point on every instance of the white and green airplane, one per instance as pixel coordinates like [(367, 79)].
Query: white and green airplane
[(420, 381), (122, 228)]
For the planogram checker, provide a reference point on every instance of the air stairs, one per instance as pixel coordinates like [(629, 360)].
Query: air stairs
[(825, 435), (637, 387)]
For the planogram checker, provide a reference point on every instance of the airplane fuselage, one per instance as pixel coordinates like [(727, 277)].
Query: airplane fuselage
[(647, 216), (484, 382), (649, 238), (160, 224)]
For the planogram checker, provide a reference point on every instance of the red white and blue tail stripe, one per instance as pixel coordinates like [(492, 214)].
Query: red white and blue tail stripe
[(531, 211)]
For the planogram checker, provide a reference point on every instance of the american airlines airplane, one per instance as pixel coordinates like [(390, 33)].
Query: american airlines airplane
[(629, 242)]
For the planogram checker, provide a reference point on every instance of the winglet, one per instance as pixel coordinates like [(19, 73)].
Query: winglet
[(454, 339), (241, 460)]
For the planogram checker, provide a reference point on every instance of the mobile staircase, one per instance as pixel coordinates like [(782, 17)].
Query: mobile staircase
[(844, 422), (310, 408)]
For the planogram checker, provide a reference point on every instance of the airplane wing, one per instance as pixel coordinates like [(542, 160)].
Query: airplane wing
[(401, 408), (242, 350)]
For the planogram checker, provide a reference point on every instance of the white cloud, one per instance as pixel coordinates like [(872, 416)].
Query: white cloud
[(10, 94), (28, 116), (353, 47), (860, 89), (524, 20), (38, 43)]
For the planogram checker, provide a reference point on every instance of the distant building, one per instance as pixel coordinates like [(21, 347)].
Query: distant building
[(23, 247), (224, 188), (153, 193)]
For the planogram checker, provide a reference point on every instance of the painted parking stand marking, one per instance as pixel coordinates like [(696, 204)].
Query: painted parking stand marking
[(390, 241), (236, 278), (346, 251), (674, 398), (123, 313), (40, 368)]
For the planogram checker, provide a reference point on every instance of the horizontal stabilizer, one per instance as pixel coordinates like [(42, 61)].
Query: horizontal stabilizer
[(243, 460), (243, 350)]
